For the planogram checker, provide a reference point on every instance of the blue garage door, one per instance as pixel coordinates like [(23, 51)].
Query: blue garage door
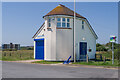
[(39, 49)]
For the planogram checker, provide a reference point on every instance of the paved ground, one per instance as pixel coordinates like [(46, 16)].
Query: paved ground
[(26, 70)]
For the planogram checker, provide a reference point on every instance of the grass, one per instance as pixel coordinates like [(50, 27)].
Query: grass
[(46, 62), (28, 55), (99, 63), (17, 55), (0, 55)]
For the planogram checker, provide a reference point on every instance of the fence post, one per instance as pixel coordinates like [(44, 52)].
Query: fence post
[(101, 57), (87, 58), (20, 55), (10, 54), (95, 57), (104, 59), (4, 54), (30, 55)]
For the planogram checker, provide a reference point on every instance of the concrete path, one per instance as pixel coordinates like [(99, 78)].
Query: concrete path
[(25, 70)]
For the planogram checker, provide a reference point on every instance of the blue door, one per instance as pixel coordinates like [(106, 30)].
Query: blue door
[(83, 50), (39, 53)]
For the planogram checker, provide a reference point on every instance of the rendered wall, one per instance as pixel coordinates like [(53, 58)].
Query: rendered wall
[(85, 35), (50, 40), (58, 44), (64, 43)]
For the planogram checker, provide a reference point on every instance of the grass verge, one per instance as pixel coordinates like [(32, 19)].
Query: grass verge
[(47, 62), (17, 55), (99, 63)]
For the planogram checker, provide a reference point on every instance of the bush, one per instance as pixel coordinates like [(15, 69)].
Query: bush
[(101, 48)]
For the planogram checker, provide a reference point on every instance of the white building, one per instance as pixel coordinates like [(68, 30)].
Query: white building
[(54, 40)]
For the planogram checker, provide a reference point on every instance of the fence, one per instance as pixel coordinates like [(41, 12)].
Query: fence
[(98, 57)]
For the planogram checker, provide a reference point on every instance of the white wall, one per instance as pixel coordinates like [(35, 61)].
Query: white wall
[(64, 40), (59, 42), (40, 33), (64, 43), (34, 48), (85, 35), (39, 36), (50, 41)]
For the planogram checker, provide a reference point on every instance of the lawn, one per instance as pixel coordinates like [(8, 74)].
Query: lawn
[(17, 55), (47, 62), (99, 63), (28, 55)]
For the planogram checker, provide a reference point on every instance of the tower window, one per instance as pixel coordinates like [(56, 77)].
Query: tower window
[(82, 24), (49, 22)]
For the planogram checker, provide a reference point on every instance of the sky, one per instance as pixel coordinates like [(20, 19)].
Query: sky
[(21, 20)]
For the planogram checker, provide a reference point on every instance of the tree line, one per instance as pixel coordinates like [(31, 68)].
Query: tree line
[(106, 47)]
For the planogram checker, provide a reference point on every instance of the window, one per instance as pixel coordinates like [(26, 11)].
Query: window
[(63, 19), (58, 19), (63, 22), (49, 19), (68, 25), (82, 24), (68, 22), (49, 22), (58, 24)]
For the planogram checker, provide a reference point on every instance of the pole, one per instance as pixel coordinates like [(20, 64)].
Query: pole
[(112, 53), (74, 33)]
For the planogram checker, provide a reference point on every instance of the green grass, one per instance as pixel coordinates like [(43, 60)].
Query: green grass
[(17, 55), (46, 62), (99, 63), (0, 55)]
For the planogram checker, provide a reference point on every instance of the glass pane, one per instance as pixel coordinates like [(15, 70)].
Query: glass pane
[(49, 24), (63, 24), (82, 26), (63, 19), (82, 22), (68, 25), (58, 24), (58, 19), (49, 20), (68, 20)]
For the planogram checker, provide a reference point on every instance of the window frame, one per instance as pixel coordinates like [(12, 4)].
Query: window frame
[(58, 22), (83, 22), (68, 22), (61, 21), (49, 22)]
